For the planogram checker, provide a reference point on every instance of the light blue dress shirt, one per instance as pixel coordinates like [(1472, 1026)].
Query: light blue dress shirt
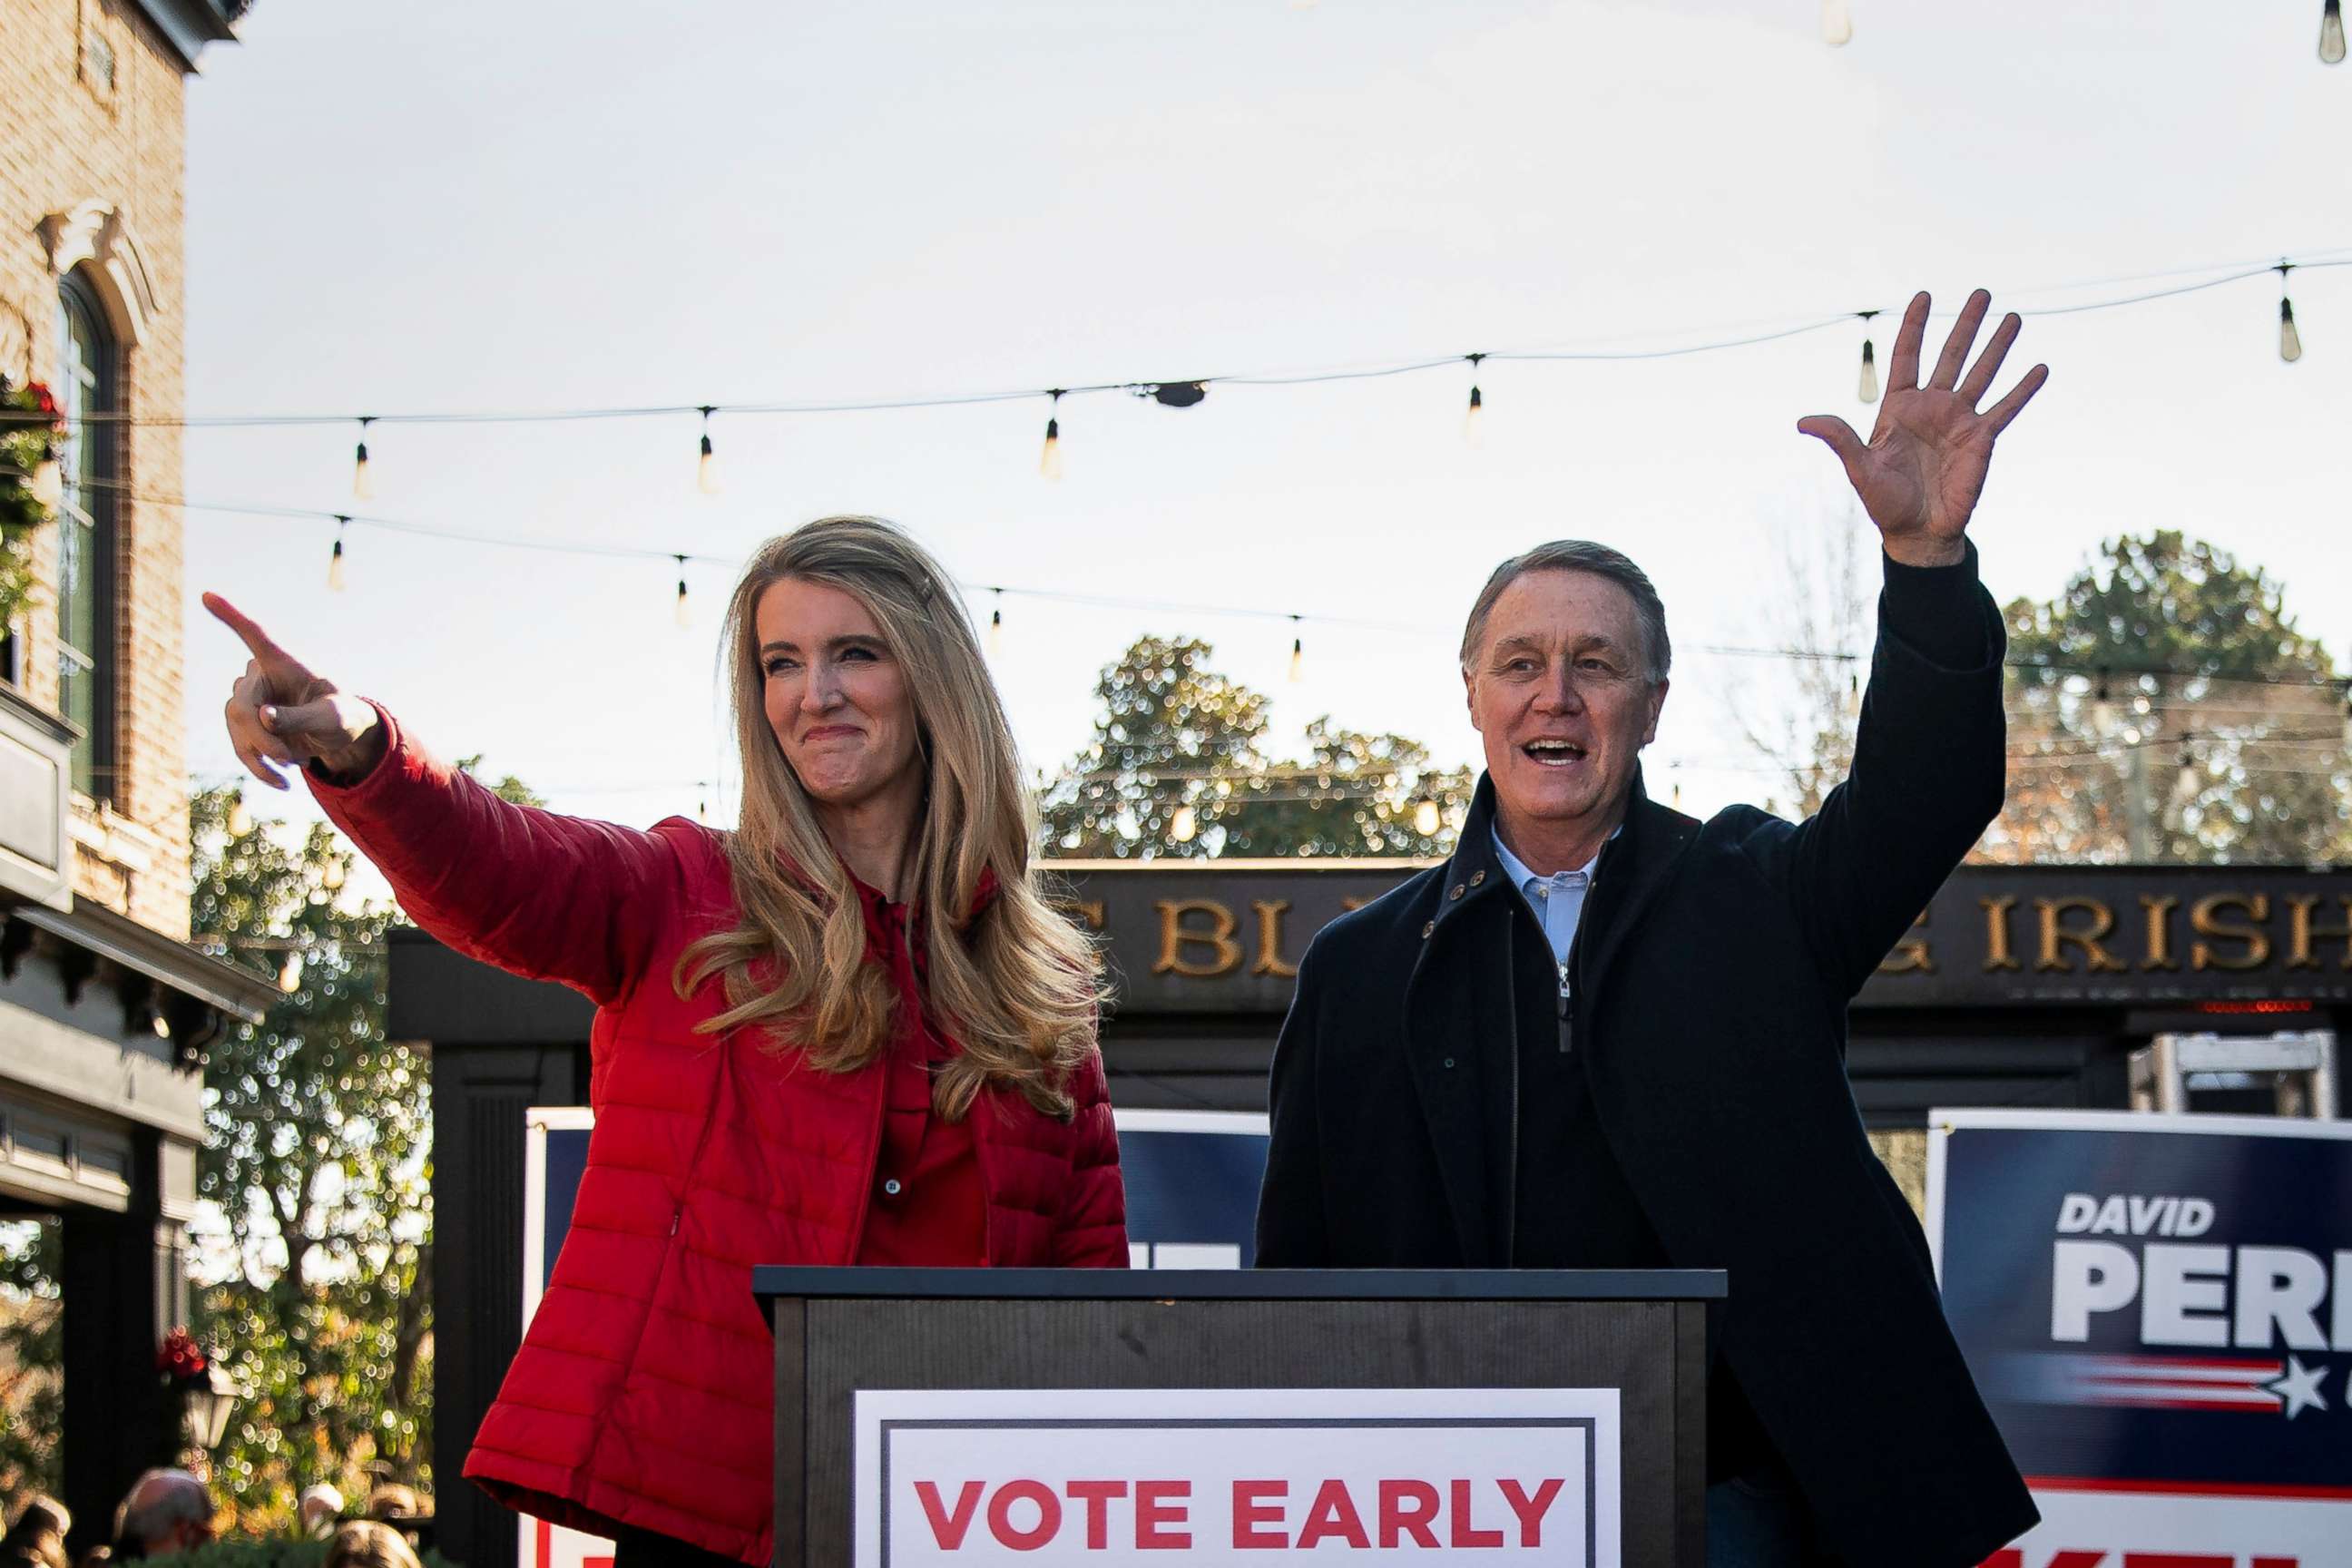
[(1556, 901)]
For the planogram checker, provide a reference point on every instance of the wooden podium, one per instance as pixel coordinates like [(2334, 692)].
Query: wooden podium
[(1511, 1404)]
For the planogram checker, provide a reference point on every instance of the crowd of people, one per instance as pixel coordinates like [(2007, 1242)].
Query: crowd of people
[(169, 1511)]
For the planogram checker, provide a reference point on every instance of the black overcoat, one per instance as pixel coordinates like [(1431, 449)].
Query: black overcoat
[(1716, 962)]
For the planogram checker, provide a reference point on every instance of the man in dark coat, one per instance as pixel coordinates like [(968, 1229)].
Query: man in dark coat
[(1492, 1066)]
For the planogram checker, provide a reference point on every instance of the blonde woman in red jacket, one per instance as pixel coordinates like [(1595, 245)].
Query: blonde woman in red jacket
[(851, 1031)]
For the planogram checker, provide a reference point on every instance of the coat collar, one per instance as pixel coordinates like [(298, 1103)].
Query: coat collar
[(1460, 1010)]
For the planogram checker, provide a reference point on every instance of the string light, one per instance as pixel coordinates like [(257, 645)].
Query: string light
[(331, 876), (1049, 463), (362, 487), (1426, 818), (996, 626), (685, 616), (2331, 33), (48, 483), (2103, 706), (705, 467), (1868, 390), (1837, 27), (2290, 341), (1297, 654), (289, 974), (1177, 393), (1470, 431), (240, 817), (335, 559), (1184, 825)]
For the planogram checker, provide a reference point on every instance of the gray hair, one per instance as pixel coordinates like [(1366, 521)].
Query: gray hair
[(1599, 560), (159, 1500)]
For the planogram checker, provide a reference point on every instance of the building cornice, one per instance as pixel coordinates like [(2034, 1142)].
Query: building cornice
[(189, 25)]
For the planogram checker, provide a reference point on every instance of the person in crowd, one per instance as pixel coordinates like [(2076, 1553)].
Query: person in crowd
[(851, 1030), (164, 1512), (1605, 1035), (393, 1500), (37, 1538), (370, 1544), (319, 1509)]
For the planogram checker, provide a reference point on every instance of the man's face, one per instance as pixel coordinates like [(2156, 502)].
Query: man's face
[(1558, 692)]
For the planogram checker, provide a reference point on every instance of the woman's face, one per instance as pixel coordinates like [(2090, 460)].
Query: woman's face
[(836, 696)]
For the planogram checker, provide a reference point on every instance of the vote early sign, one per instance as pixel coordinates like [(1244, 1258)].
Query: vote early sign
[(2158, 1310), (1224, 1475)]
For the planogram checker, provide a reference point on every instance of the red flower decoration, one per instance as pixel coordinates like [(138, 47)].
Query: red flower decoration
[(180, 1357), (43, 402)]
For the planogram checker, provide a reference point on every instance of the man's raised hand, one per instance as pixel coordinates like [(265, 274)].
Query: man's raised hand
[(282, 714), (1924, 466)]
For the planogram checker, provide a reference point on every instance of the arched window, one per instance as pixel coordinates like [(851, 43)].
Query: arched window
[(87, 387)]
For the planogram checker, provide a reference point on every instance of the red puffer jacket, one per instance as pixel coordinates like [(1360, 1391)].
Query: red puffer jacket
[(644, 1388)]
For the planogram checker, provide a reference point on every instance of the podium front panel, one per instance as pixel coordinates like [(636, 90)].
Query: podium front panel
[(1651, 1350)]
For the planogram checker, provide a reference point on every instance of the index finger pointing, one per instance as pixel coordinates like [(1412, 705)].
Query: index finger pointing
[(245, 627)]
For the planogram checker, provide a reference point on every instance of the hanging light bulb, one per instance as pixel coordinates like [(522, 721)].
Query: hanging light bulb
[(2102, 707), (2290, 341), (289, 974), (705, 467), (362, 487), (1297, 656), (330, 875), (1049, 462), (335, 560), (2331, 33), (1184, 825), (996, 624), (702, 810), (1837, 24), (685, 616), (1426, 818), (1470, 431), (240, 817), (1868, 390), (48, 483)]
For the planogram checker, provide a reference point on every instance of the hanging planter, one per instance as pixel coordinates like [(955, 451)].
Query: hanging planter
[(32, 432)]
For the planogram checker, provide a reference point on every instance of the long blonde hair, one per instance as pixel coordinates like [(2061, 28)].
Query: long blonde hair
[(1016, 984)]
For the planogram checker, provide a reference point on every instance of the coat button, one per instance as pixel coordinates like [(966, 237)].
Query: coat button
[(1476, 878), (890, 1187), (1426, 930), (1456, 892), (1449, 1061)]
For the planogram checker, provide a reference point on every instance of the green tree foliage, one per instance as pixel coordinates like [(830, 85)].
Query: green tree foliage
[(2166, 708), (32, 1352), (318, 1162), (1179, 766)]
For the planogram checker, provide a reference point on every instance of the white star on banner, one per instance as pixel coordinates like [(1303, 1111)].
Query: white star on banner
[(2300, 1387)]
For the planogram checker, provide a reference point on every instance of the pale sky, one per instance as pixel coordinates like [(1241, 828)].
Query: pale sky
[(445, 205)]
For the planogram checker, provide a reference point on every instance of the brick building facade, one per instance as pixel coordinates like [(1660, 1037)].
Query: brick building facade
[(105, 1011)]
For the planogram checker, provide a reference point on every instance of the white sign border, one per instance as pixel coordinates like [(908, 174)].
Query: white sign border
[(1142, 1406)]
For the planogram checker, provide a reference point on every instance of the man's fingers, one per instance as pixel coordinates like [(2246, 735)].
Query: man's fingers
[(1987, 363), (2008, 408), (1838, 437), (1903, 366), (245, 627), (1964, 335)]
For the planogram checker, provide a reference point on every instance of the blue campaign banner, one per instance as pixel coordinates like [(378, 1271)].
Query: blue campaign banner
[(2154, 1304), (1192, 1186)]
